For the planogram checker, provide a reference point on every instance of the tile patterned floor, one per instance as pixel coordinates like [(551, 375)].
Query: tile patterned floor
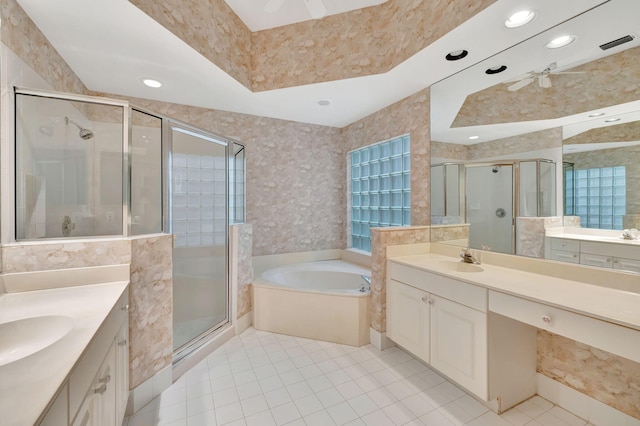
[(264, 379)]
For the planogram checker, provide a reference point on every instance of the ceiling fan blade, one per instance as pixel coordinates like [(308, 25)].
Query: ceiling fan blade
[(273, 6), (317, 8), (520, 77), (520, 84)]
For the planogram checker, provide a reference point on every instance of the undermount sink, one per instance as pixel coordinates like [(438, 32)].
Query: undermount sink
[(457, 266), (24, 337)]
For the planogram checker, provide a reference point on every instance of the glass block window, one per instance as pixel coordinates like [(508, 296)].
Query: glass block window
[(380, 189), (599, 196)]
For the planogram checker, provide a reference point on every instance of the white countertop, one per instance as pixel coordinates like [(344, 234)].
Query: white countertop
[(27, 385), (597, 238), (608, 304)]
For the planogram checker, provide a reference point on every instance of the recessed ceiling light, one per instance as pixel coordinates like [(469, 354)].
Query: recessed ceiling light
[(596, 114), (324, 102), (496, 70), (519, 19), (474, 137), (611, 120), (456, 55), (151, 83), (561, 41)]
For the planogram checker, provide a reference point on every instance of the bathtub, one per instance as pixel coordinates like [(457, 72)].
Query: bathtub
[(317, 300)]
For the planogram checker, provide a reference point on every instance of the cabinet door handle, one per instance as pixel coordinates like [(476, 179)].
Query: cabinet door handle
[(425, 299), (122, 343), (105, 379), (125, 307), (102, 389), (546, 318)]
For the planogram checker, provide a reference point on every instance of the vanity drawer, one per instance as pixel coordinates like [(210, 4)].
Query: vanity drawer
[(565, 245), (565, 256), (603, 335), (626, 264), (461, 292), (596, 260)]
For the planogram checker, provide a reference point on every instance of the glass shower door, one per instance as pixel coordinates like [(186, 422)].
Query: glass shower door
[(199, 223), (489, 207)]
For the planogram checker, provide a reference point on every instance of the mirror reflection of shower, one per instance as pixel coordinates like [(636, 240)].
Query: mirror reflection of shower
[(85, 134), (489, 196)]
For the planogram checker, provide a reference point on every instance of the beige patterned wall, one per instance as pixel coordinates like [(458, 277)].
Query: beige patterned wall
[(410, 115), (353, 44), (611, 78), (380, 239), (63, 255), (20, 34), (456, 233), (626, 132), (544, 139), (245, 269), (610, 379), (211, 28), (151, 307), (530, 232)]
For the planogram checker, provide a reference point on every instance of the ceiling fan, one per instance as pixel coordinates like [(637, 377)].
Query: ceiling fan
[(544, 81), (317, 8)]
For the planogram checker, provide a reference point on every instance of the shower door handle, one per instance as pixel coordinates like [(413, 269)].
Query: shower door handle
[(501, 212)]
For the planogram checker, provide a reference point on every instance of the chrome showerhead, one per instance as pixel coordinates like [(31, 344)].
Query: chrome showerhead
[(85, 134)]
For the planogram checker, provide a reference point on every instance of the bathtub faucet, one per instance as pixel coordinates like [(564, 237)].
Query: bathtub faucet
[(366, 286)]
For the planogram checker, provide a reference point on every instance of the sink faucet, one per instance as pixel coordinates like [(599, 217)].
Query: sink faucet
[(467, 256)]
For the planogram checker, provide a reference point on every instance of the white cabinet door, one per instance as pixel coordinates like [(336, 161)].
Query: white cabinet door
[(626, 264), (459, 344), (98, 407), (58, 414), (122, 371), (408, 318), (565, 256)]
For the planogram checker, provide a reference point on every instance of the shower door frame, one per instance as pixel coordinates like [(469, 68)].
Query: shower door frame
[(168, 125)]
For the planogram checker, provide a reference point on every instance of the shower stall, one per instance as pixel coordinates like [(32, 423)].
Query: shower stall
[(490, 196), (88, 167)]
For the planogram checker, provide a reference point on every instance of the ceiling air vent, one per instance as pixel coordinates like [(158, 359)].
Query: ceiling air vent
[(617, 42)]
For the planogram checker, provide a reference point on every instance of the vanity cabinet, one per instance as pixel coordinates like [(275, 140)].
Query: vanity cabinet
[(408, 318), (441, 321), (96, 391), (459, 344), (617, 255)]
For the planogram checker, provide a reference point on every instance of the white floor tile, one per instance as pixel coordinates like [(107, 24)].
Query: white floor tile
[(377, 418), (329, 397), (363, 405), (308, 405), (320, 418), (207, 418), (263, 418), (254, 405), (267, 379), (286, 413)]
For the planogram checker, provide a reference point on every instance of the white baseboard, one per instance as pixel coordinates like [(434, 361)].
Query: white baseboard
[(244, 322), (583, 406), (146, 391), (379, 340)]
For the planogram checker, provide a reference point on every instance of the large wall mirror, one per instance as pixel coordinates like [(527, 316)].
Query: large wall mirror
[(556, 133)]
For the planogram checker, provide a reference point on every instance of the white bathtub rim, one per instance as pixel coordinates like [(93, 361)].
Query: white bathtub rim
[(333, 265), (261, 283)]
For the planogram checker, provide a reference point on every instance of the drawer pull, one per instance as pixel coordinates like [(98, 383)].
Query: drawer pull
[(105, 379), (427, 299), (125, 308), (546, 319), (122, 343), (102, 389)]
